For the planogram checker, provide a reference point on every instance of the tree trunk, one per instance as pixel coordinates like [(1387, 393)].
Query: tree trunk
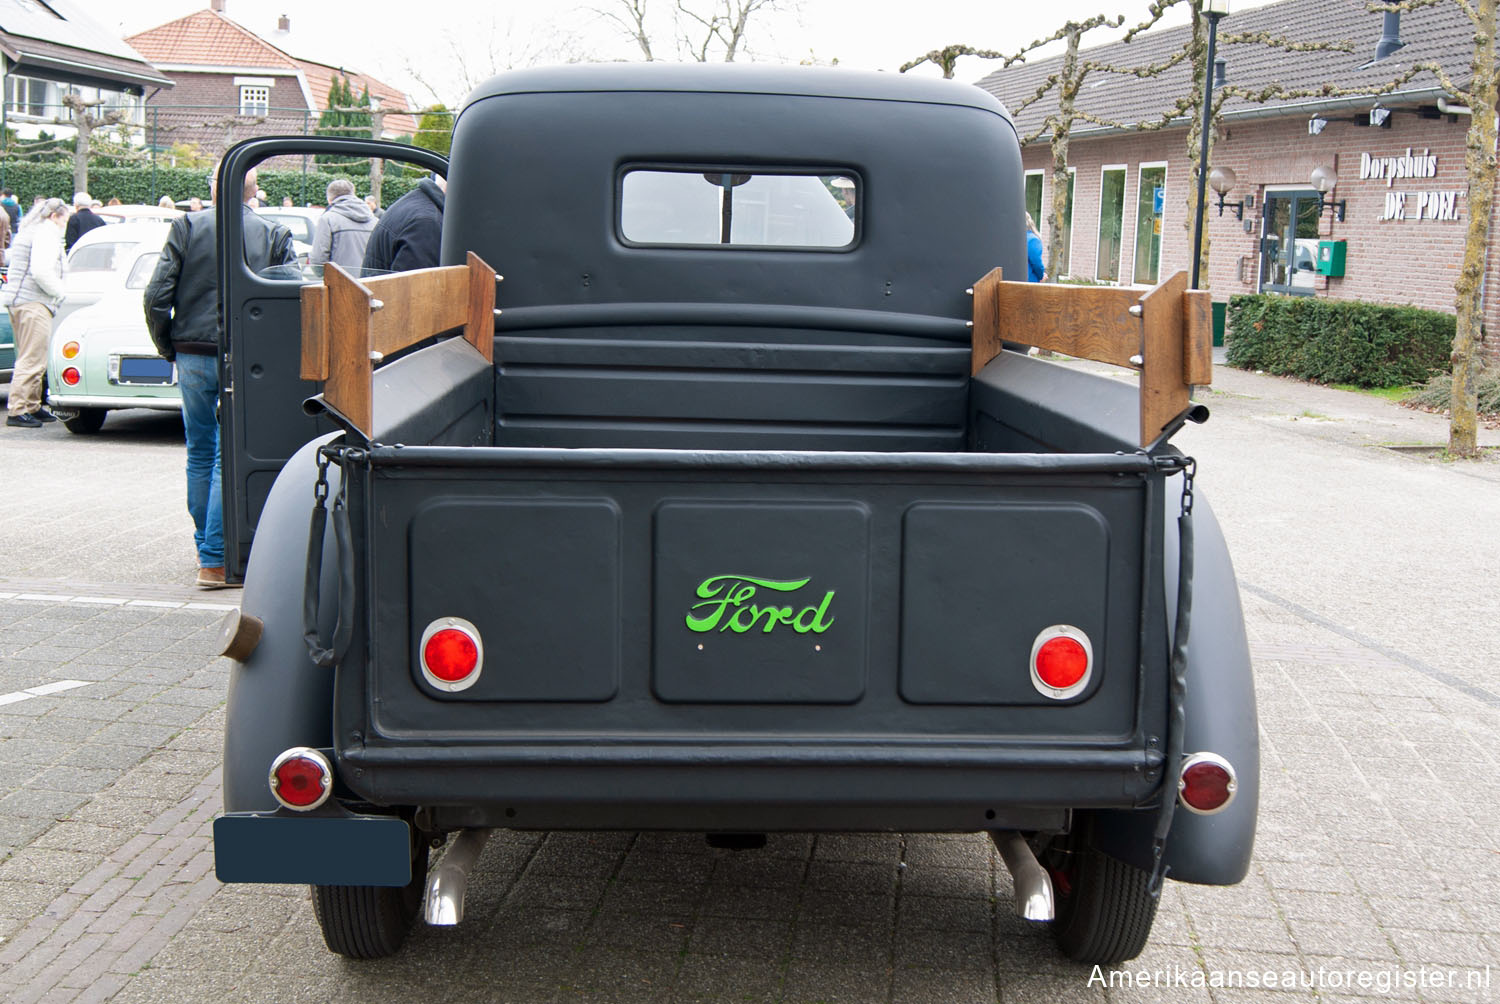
[(1197, 214), (84, 124), (1067, 93), (1479, 159)]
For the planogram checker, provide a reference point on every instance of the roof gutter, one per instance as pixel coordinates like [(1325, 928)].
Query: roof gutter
[(1288, 110), (89, 70)]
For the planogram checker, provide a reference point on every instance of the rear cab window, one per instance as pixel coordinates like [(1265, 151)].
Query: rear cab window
[(725, 207)]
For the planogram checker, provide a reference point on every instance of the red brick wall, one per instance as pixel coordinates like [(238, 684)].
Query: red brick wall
[(203, 108), (1389, 261)]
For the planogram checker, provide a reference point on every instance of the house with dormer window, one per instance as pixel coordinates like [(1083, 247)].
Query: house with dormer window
[(232, 84)]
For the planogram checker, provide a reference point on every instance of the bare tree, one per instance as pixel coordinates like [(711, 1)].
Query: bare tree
[(480, 52), (700, 30), (1479, 161), (83, 118)]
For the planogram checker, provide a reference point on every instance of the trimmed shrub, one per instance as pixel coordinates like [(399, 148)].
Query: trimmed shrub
[(1337, 341), (136, 185)]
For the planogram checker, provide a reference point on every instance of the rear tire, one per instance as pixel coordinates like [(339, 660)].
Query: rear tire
[(371, 922), (1104, 906), (87, 422)]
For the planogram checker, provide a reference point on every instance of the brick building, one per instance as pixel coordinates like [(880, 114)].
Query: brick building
[(1398, 204), (232, 84), (52, 50)]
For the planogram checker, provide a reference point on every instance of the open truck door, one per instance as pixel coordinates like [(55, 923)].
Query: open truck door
[(260, 358)]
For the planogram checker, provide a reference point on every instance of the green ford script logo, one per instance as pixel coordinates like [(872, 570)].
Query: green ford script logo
[(725, 606)]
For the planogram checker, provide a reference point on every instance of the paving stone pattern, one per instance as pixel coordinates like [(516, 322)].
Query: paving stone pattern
[(1377, 856)]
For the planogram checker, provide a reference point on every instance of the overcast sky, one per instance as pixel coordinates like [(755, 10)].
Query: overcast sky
[(455, 38)]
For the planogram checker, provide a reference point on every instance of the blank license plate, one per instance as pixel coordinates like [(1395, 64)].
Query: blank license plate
[(138, 369)]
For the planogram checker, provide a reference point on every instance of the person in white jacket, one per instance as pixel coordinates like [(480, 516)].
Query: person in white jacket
[(36, 278)]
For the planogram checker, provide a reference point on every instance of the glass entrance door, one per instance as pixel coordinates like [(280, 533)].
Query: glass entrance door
[(1289, 242)]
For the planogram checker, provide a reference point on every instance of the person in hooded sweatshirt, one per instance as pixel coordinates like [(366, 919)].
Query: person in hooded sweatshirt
[(344, 230)]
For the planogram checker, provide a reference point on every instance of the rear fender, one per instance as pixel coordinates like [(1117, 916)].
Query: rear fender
[(1220, 718), (278, 698)]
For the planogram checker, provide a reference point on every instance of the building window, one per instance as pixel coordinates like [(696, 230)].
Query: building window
[(1034, 198), (32, 97), (1111, 224), (1148, 212), (255, 101)]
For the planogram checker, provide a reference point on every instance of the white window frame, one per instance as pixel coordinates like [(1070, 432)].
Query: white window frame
[(1099, 223), (248, 106), (1140, 170)]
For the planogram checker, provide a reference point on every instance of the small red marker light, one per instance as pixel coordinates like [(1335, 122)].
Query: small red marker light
[(301, 778), (1208, 783), (71, 376), (1062, 661), (451, 654)]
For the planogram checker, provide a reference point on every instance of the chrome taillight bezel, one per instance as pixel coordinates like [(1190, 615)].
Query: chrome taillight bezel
[(1062, 631), (1232, 787), (307, 753), (465, 627)]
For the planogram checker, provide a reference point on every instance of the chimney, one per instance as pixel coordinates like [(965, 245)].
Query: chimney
[(283, 23), (1390, 36), (217, 5)]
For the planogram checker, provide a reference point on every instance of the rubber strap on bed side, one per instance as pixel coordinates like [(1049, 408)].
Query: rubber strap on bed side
[(1177, 692)]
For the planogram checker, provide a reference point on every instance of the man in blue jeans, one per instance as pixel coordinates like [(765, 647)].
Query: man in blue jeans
[(182, 313)]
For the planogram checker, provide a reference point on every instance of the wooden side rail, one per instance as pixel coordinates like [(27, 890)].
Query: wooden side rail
[(349, 325), (1166, 333)]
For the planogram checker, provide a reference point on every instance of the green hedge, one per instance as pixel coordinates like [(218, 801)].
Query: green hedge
[(1337, 341), (136, 185)]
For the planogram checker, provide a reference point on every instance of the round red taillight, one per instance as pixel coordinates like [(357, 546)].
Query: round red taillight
[(1207, 784), (1062, 660), (451, 654), (301, 778), (70, 350), (71, 376)]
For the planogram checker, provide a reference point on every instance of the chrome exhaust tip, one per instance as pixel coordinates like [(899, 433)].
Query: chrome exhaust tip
[(1034, 900), (447, 883)]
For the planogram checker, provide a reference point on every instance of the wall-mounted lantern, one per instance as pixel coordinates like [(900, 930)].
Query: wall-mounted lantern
[(1323, 180), (1316, 125), (1223, 180)]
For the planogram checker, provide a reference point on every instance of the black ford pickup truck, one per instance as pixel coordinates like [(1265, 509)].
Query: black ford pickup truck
[(747, 511)]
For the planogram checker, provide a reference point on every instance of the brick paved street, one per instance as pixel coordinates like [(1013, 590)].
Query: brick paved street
[(1368, 581)]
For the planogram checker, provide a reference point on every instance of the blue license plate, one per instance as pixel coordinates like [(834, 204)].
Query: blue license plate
[(312, 850), (142, 369)]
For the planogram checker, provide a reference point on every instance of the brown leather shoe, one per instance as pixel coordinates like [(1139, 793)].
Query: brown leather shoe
[(211, 578)]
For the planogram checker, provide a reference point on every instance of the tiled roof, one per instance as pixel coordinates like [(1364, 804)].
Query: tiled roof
[(1440, 34), (320, 79), (211, 39)]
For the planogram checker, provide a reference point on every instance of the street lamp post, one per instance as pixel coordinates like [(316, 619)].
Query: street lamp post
[(1213, 10)]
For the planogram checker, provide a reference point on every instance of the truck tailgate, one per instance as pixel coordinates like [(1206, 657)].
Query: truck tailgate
[(766, 612)]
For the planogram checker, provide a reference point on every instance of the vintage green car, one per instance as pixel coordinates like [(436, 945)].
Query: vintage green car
[(101, 357)]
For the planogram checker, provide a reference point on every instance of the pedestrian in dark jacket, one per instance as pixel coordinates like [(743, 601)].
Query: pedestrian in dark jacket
[(182, 314), (410, 233), (343, 232), (82, 221)]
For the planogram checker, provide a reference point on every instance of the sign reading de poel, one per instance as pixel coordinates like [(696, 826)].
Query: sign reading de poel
[(1437, 204)]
